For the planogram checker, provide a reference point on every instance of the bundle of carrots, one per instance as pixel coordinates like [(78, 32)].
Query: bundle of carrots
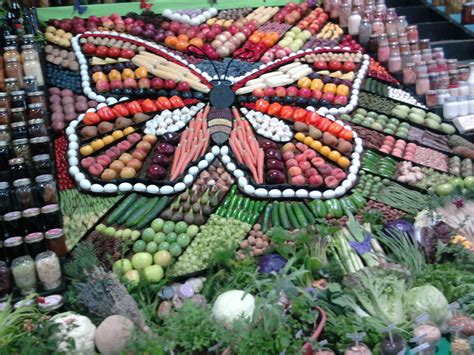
[(192, 145), (245, 147)]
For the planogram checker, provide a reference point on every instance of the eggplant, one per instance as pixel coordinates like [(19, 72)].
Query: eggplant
[(274, 164), (275, 177), (273, 154), (170, 138), (268, 144), (164, 148), (161, 159), (156, 172)]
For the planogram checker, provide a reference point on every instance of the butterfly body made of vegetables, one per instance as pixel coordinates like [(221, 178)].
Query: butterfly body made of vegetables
[(247, 141)]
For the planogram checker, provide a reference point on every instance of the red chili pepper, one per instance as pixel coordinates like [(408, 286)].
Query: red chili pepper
[(176, 101), (120, 110)]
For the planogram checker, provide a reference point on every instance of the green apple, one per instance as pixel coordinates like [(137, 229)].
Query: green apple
[(126, 234), (457, 182), (142, 260), (164, 246), (469, 183), (290, 35), (180, 227), (307, 34), (151, 247), (153, 273), (168, 227), (100, 227), (444, 189), (294, 46), (157, 224), (132, 276), (139, 246), (183, 240), (301, 36), (148, 234), (110, 231), (192, 231), (295, 30), (119, 233), (135, 235), (122, 266), (159, 237), (175, 249), (171, 237), (162, 258), (285, 42)]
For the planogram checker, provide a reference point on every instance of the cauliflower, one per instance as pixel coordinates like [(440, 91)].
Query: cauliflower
[(77, 327)]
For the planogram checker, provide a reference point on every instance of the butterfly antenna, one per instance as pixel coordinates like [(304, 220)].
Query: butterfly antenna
[(198, 52), (245, 54)]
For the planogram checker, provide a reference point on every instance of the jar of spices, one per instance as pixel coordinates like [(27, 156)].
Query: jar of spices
[(5, 200), (412, 33), (438, 53), (463, 74), (4, 133), (426, 54), (442, 65), (394, 47), (424, 43), (31, 63), (414, 46), (344, 15), (454, 91), (42, 164), (373, 43), (37, 128), (18, 99), (40, 145), (365, 30), (48, 269), (13, 69), (383, 52), (57, 241), (11, 85), (391, 25), (18, 115), (409, 74), (354, 23), (392, 38), (433, 77), (36, 111), (442, 95), (11, 52), (36, 97), (432, 67), (25, 195), (404, 47), (24, 274), (463, 106), (401, 24), (31, 85), (395, 63), (5, 155), (463, 88), (453, 78), (51, 217), (443, 80), (335, 9), (18, 168), (4, 100), (47, 189), (6, 284), (35, 244), (32, 220), (416, 56), (378, 27), (422, 84), (450, 108), (431, 97), (452, 64), (21, 149), (4, 118), (14, 248)]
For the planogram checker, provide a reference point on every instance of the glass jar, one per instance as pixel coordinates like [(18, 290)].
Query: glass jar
[(416, 56), (37, 128), (18, 168), (426, 54), (31, 63), (422, 84), (4, 100), (48, 269), (354, 23), (344, 15), (450, 108), (5, 200), (13, 69), (394, 47), (424, 43), (404, 47), (18, 115), (433, 77), (401, 24), (463, 74), (4, 117), (40, 145), (25, 195), (47, 189), (443, 80), (442, 95), (392, 38), (452, 64), (432, 67), (32, 220), (35, 244), (453, 92), (431, 97), (14, 248), (463, 88), (18, 99), (42, 164), (365, 30), (438, 53), (57, 241), (409, 74), (5, 133), (383, 52), (21, 149), (36, 111), (453, 78), (412, 33), (373, 44), (11, 85), (36, 97), (442, 65), (6, 284), (471, 104), (378, 27), (463, 106), (11, 52), (394, 63), (391, 25), (5, 155), (24, 274), (31, 85), (414, 46), (51, 217)]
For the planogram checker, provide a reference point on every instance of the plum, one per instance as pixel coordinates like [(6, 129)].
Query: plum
[(267, 144), (275, 177), (170, 138), (273, 154), (274, 164), (165, 148), (156, 172), (161, 159)]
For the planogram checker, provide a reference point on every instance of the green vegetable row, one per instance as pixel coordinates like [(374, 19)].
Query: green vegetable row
[(376, 87), (375, 163)]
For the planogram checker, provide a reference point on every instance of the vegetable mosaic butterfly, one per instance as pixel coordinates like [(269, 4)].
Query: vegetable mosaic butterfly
[(161, 121)]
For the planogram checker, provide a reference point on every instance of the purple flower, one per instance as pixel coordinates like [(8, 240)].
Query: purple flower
[(271, 263), (362, 247), (459, 202)]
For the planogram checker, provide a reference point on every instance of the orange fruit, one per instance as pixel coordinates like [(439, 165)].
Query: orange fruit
[(141, 72), (316, 145), (342, 90), (259, 34), (325, 150), (115, 75), (128, 130), (198, 42), (273, 35), (181, 45), (128, 73), (99, 76), (254, 39), (330, 87), (268, 42), (343, 162), (183, 37), (334, 155), (170, 41)]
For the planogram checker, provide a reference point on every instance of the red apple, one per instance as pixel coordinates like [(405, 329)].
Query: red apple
[(280, 91), (183, 86), (269, 92), (88, 48), (334, 65), (305, 93), (127, 53), (169, 84), (130, 83), (329, 96), (340, 100), (113, 52), (292, 91), (102, 86), (144, 83), (315, 180), (320, 64), (317, 94), (101, 51), (258, 93), (116, 84), (348, 66), (157, 83)]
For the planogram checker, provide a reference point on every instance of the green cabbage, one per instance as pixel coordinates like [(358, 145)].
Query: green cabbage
[(427, 299)]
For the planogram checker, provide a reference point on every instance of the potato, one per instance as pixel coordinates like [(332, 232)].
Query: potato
[(122, 122), (105, 127), (89, 132)]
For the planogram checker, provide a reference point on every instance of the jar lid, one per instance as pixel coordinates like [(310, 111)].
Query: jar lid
[(10, 48), (461, 98), (21, 182), (49, 208), (33, 106), (450, 99), (18, 93), (35, 121), (44, 178), (423, 75), (39, 139), (15, 161), (10, 80), (13, 242), (11, 37), (409, 65), (3, 143), (5, 94), (29, 77), (35, 93), (31, 212), (50, 303), (20, 141), (41, 157), (18, 109), (437, 49), (3, 127), (28, 36), (3, 109), (431, 92), (470, 97), (426, 50), (4, 185), (27, 46), (54, 233), (34, 237)]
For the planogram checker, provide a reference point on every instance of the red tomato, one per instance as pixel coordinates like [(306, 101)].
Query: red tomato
[(176, 102), (133, 107), (346, 134), (164, 102), (274, 109), (324, 124), (286, 112), (299, 114), (149, 106), (335, 128), (312, 118), (91, 118), (106, 113), (262, 105), (120, 110)]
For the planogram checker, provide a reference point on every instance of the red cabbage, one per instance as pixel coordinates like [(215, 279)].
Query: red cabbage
[(401, 225), (271, 263)]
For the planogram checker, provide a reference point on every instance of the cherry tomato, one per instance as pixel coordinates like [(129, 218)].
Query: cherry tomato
[(91, 118), (346, 134), (262, 105), (133, 107), (299, 114), (106, 113), (120, 110), (286, 112), (149, 106), (335, 128), (274, 109), (176, 102), (164, 103), (323, 124), (312, 118)]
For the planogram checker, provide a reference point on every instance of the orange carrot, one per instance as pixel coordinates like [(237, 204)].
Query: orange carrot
[(238, 150), (206, 112), (250, 164), (205, 144), (260, 159)]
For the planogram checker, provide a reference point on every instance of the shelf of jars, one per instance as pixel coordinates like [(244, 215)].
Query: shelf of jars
[(457, 11)]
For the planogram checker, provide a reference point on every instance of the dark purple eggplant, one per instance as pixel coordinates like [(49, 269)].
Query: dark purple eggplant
[(273, 154), (267, 144), (156, 172), (274, 164), (170, 138), (275, 177), (161, 159), (164, 148)]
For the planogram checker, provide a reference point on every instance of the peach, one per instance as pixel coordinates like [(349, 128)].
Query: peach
[(96, 169), (297, 180), (315, 180), (87, 162), (125, 158), (294, 170), (117, 165), (331, 181), (304, 165), (290, 163), (127, 173)]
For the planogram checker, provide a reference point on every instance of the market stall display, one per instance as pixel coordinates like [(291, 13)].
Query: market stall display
[(254, 168)]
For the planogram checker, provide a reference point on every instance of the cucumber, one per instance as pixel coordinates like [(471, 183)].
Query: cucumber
[(138, 204), (307, 213), (358, 200), (319, 209), (285, 223), (275, 217), (122, 208), (139, 213), (292, 217), (299, 214), (266, 218), (155, 212)]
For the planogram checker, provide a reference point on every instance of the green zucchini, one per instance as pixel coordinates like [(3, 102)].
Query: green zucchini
[(138, 214), (334, 208), (122, 208), (154, 212), (358, 200), (292, 216), (299, 214), (307, 213), (266, 218), (347, 205), (285, 223), (275, 216), (318, 208), (138, 204)]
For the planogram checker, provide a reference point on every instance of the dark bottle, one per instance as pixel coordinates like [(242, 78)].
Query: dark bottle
[(6, 284)]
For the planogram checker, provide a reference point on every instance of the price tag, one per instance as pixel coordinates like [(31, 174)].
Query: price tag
[(418, 339), (456, 328), (323, 342), (422, 318), (356, 336), (419, 348), (388, 328)]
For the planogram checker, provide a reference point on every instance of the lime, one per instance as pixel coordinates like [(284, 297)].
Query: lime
[(148, 234), (152, 247), (164, 246), (171, 237), (139, 246), (175, 249), (183, 240), (168, 227), (159, 237)]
